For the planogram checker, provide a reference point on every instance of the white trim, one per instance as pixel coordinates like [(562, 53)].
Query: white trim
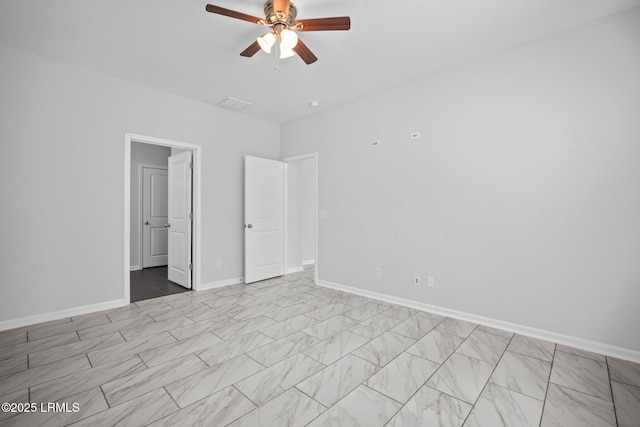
[(285, 219), (54, 315), (135, 268), (197, 197), (295, 270), (309, 262), (126, 280), (317, 224), (580, 343), (220, 284), (300, 157), (141, 167)]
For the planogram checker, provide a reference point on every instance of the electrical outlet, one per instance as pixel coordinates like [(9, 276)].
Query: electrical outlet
[(431, 282), (378, 272), (417, 281), (219, 263)]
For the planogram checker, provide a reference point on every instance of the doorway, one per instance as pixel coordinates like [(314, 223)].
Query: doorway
[(281, 211), (162, 221), (301, 213)]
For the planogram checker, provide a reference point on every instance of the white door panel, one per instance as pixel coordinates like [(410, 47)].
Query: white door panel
[(179, 239), (154, 217), (264, 219), (158, 244)]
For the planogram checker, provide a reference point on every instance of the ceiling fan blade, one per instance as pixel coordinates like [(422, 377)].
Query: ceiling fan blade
[(251, 50), (233, 14), (341, 23), (281, 6), (305, 53)]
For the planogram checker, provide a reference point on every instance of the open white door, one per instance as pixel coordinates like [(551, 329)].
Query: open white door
[(263, 219), (179, 265)]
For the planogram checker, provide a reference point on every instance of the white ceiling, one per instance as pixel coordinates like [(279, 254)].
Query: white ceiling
[(175, 45)]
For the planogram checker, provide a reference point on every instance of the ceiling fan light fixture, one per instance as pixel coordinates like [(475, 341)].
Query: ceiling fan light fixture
[(285, 52), (288, 38), (280, 16), (266, 41)]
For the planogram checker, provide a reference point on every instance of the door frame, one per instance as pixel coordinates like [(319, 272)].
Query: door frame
[(286, 161), (196, 254), (141, 168)]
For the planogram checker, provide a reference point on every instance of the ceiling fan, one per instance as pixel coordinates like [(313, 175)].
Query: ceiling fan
[(280, 17)]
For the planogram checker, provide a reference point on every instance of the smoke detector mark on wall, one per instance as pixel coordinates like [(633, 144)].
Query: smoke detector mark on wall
[(233, 104)]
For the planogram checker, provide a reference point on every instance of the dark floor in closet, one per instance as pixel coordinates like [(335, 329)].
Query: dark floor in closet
[(151, 283)]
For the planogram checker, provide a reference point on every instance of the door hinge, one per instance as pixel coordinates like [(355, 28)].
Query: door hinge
[(190, 216), (190, 266)]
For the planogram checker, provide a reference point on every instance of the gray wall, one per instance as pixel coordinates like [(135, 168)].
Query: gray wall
[(145, 154), (521, 198), (62, 130)]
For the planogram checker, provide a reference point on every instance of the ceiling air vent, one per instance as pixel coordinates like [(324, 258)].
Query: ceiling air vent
[(233, 104)]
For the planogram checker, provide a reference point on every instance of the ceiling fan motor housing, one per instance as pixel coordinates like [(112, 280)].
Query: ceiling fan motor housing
[(274, 17)]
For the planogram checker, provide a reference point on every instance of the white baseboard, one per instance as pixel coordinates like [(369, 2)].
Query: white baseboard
[(580, 343), (220, 284), (309, 262), (135, 268), (295, 270), (54, 315)]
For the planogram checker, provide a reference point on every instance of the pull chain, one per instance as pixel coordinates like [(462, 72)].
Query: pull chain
[(276, 68)]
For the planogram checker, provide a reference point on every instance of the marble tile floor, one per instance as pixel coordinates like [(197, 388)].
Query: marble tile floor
[(285, 352)]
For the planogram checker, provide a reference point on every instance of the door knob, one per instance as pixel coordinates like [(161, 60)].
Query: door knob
[(249, 226), (146, 223), (167, 225)]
